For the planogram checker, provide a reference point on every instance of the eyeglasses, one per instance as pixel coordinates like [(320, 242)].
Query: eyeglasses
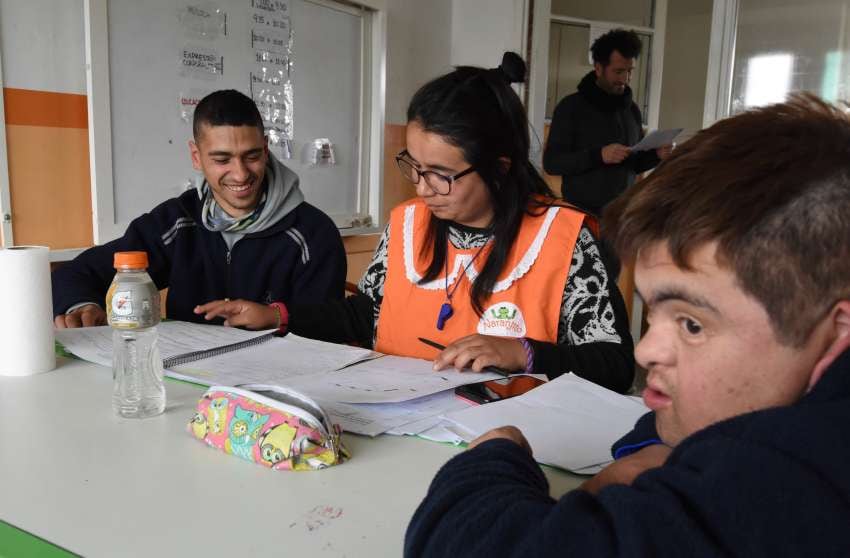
[(439, 183)]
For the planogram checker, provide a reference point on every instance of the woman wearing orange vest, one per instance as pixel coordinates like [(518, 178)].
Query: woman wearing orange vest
[(483, 261)]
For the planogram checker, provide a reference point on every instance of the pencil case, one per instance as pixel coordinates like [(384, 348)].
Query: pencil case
[(270, 425)]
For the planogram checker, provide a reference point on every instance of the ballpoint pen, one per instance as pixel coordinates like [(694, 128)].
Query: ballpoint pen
[(494, 369)]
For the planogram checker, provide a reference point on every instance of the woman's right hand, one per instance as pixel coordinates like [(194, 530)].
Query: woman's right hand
[(242, 313), (478, 351)]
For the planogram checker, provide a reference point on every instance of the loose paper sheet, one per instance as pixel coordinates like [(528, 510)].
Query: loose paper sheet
[(389, 379), (569, 421), (408, 417)]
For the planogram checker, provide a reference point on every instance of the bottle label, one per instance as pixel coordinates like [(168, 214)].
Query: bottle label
[(132, 306), (122, 303)]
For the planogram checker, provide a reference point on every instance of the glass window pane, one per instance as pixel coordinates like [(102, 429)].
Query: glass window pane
[(634, 12), (568, 61), (782, 46)]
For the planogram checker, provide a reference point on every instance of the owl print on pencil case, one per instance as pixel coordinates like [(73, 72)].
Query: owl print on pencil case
[(217, 419), (244, 428)]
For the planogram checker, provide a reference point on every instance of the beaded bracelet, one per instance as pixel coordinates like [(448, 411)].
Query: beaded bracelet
[(529, 355), (282, 316)]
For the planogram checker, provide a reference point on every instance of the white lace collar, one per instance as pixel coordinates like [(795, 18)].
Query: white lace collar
[(462, 260)]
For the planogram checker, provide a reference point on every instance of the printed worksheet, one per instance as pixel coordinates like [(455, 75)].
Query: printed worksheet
[(389, 379), (277, 361), (407, 417)]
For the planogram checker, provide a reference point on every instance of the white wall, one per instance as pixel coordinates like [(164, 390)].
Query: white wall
[(419, 47), (685, 64), (482, 30), (43, 45), (428, 38), (630, 12)]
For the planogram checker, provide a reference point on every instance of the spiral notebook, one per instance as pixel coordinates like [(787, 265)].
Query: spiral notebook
[(192, 356), (179, 342)]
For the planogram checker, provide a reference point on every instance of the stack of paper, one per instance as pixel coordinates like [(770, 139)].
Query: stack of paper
[(365, 391), (570, 422), (405, 418)]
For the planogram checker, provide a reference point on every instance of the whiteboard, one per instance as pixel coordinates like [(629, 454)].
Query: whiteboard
[(141, 126)]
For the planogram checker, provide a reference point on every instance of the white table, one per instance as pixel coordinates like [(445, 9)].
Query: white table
[(76, 475)]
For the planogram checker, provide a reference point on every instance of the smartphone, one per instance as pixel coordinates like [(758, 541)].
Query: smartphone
[(495, 390)]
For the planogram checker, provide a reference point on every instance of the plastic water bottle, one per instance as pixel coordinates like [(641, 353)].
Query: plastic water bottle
[(132, 304)]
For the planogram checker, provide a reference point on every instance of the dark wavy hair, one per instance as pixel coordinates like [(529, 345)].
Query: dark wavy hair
[(627, 43), (226, 107), (476, 110)]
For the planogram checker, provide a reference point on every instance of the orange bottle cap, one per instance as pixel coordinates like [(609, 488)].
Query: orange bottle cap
[(130, 260)]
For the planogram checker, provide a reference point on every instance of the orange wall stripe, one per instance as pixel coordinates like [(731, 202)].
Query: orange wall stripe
[(51, 203), (27, 107)]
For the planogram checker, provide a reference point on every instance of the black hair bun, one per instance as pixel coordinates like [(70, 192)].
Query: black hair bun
[(513, 68)]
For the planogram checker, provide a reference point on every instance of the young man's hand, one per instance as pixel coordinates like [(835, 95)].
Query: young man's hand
[(84, 316), (626, 469), (242, 313), (511, 433)]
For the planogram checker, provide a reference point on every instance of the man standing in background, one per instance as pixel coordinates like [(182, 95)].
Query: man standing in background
[(593, 128)]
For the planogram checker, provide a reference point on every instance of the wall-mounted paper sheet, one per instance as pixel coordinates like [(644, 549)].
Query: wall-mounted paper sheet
[(26, 322)]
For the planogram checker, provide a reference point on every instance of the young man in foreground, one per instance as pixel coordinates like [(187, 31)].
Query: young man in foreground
[(741, 243)]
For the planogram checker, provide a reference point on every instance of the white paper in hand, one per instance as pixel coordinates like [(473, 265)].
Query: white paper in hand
[(656, 139)]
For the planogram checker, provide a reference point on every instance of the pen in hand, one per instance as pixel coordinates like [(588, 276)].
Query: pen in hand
[(494, 369)]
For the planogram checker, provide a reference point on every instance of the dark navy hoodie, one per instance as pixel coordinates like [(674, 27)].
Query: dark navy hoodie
[(298, 259), (769, 483)]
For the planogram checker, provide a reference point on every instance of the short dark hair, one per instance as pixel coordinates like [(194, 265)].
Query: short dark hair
[(627, 43), (771, 187), (226, 107)]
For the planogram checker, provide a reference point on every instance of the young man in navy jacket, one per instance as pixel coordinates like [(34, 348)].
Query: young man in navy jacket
[(245, 232), (741, 244)]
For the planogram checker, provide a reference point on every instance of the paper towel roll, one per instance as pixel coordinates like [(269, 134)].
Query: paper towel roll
[(26, 311)]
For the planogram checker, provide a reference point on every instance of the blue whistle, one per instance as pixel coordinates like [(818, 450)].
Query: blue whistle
[(445, 313)]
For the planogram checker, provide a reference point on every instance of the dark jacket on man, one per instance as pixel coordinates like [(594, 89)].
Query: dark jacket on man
[(300, 258), (582, 124), (768, 483)]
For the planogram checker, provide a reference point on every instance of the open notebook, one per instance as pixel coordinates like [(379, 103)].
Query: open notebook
[(192, 356), (209, 355)]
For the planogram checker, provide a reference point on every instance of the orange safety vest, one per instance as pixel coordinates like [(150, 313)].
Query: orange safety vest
[(526, 299)]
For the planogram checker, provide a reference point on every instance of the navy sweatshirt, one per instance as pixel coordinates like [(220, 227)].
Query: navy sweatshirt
[(769, 483), (298, 259)]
